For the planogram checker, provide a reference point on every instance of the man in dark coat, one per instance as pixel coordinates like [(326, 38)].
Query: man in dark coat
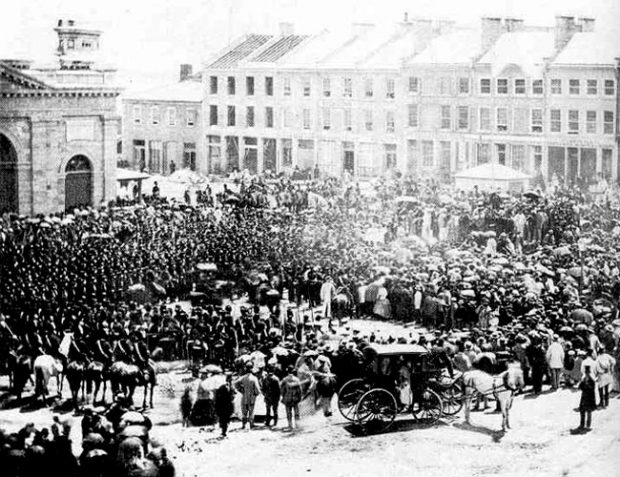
[(224, 404)]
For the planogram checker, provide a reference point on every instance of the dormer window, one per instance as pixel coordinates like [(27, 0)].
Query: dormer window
[(70, 44)]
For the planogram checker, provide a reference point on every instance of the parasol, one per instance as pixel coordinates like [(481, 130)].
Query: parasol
[(211, 368), (273, 292), (582, 316), (530, 194), (310, 353), (206, 267), (405, 199), (469, 293), (561, 251), (280, 351), (575, 271)]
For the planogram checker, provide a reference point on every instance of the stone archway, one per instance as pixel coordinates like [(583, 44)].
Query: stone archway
[(9, 183), (78, 183)]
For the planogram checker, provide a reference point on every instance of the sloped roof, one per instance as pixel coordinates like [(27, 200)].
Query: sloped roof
[(492, 171), (358, 48), (310, 52), (457, 47), (526, 49), (589, 49), (232, 57), (392, 53), (21, 78), (278, 48), (188, 91)]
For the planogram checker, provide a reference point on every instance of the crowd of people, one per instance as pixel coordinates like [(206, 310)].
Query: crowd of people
[(534, 276)]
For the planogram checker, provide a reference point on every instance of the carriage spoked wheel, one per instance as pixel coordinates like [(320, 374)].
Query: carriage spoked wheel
[(452, 399), (348, 396), (376, 410), (428, 408)]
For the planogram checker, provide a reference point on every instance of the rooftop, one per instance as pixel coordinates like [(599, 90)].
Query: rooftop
[(183, 91), (589, 49), (458, 47), (233, 56)]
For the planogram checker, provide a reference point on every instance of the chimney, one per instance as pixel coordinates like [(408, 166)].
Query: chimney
[(361, 28), (565, 28), (513, 24), (587, 24), (185, 71), (287, 29), (491, 30)]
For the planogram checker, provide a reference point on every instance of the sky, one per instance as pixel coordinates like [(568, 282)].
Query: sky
[(148, 39)]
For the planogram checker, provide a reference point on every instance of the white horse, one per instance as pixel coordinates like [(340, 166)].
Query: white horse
[(502, 387), (46, 366)]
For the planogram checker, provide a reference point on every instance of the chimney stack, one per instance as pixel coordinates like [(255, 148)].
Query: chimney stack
[(491, 31), (287, 29), (513, 24), (185, 71), (587, 24), (565, 28)]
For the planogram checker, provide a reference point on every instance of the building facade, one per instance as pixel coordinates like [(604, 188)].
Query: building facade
[(425, 97), (58, 127), (162, 127)]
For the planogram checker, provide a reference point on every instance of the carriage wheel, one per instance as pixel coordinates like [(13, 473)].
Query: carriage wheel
[(452, 399), (376, 410), (427, 409), (348, 396)]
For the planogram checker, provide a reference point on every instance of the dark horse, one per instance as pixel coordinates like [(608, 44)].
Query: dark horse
[(342, 305), (20, 371), (75, 377), (126, 377)]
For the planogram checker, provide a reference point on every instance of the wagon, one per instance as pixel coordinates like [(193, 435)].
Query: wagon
[(398, 379)]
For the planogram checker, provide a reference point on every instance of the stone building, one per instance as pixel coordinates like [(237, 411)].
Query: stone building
[(162, 127), (58, 127)]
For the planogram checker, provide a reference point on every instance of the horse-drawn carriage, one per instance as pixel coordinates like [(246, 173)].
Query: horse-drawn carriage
[(398, 378)]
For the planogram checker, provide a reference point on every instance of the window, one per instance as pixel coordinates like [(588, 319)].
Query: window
[(500, 150), (517, 153), (231, 86), (214, 153), (484, 153), (189, 155), (556, 120), (286, 86), (287, 120), (573, 86), (190, 117), (592, 87), (212, 115), (520, 86), (608, 122), (390, 125), (171, 115), (463, 117), (606, 164), (70, 44), (390, 156), (444, 85), (389, 89), (154, 115), (463, 85), (537, 87), (412, 114), (414, 85), (139, 153), (346, 119), (538, 157), (485, 119), (269, 85), (249, 85), (213, 84), (591, 122), (249, 117), (427, 154), (502, 119), (268, 117), (368, 92), (306, 86), (231, 116), (556, 86), (446, 119), (155, 148), (537, 120), (485, 86), (573, 121), (502, 86), (445, 152), (327, 92), (327, 119), (520, 121), (137, 115), (347, 87), (368, 119), (306, 118), (610, 88)]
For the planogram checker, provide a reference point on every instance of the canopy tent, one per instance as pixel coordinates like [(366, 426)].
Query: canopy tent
[(492, 176), (126, 176)]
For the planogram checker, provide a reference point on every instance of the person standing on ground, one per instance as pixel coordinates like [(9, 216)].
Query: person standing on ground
[(605, 365), (248, 386), (291, 396), (587, 404), (224, 403), (555, 361), (271, 392)]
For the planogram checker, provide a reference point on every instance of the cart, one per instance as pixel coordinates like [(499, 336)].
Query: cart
[(398, 379)]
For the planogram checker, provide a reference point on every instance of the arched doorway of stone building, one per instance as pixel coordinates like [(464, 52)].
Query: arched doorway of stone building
[(78, 183), (9, 200)]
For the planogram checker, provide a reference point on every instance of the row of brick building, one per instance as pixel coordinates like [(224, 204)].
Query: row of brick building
[(424, 97)]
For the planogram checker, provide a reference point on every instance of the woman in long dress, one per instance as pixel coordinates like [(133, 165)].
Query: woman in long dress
[(382, 307)]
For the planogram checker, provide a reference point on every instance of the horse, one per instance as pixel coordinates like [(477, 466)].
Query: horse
[(75, 378), (503, 387), (45, 366), (94, 374), (342, 305), (20, 370), (126, 377)]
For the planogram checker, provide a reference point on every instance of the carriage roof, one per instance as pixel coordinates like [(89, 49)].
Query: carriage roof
[(398, 349)]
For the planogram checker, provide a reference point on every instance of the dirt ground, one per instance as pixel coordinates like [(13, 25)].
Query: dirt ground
[(539, 443)]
